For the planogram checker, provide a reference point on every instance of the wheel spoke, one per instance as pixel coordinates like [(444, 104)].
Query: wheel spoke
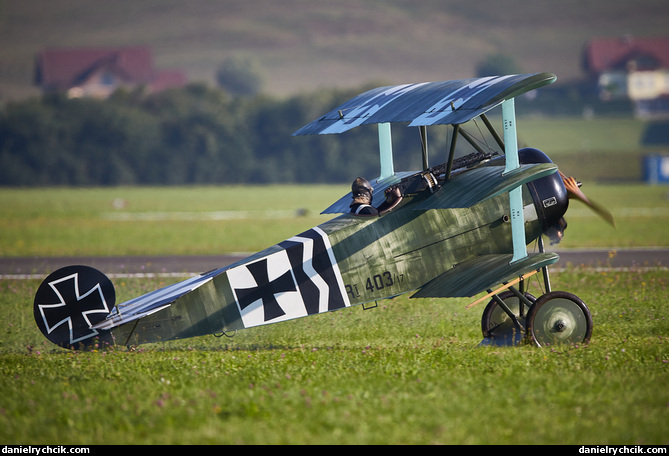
[(559, 318)]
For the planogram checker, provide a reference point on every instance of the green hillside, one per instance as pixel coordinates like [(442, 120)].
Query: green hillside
[(305, 44)]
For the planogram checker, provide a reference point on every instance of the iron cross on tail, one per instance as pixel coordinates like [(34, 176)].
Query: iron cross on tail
[(457, 229)]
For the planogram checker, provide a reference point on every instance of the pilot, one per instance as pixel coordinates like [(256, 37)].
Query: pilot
[(362, 192)]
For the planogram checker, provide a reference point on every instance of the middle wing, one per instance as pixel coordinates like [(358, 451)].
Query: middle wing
[(479, 184), (465, 189)]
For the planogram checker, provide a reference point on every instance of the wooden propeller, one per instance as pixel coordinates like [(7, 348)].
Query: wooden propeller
[(574, 192)]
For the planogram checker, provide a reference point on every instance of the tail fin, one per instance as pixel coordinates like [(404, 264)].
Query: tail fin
[(69, 301)]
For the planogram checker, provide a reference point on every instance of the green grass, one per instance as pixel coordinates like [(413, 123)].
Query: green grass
[(595, 150), (218, 220), (567, 135), (641, 213), (157, 221), (407, 372)]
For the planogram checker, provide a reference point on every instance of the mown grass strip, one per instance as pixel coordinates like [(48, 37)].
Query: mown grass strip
[(408, 371)]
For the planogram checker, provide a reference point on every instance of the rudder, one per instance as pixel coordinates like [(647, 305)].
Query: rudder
[(71, 300)]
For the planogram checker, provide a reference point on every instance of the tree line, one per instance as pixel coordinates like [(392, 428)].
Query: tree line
[(202, 135), (192, 135)]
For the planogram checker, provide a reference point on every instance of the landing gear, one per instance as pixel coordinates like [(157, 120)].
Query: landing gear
[(555, 318), (502, 326), (558, 317)]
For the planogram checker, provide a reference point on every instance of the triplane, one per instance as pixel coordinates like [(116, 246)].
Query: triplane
[(453, 230)]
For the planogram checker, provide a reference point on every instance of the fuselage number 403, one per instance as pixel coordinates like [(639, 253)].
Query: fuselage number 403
[(375, 283)]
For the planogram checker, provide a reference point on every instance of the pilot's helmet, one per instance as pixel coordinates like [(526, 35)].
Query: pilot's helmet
[(362, 189)]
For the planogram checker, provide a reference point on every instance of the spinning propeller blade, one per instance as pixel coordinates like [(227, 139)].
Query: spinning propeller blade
[(574, 191)]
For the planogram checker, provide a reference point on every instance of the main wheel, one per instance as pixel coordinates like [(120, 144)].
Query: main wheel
[(497, 326), (559, 317)]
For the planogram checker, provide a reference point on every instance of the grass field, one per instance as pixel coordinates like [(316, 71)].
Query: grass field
[(408, 371), (219, 220)]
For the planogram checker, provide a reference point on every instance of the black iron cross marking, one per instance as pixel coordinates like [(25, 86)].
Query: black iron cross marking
[(265, 290), (75, 309)]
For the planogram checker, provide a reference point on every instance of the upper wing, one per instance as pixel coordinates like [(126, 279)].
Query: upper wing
[(428, 103)]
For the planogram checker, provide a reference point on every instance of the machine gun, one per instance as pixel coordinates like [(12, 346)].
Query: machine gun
[(432, 178)]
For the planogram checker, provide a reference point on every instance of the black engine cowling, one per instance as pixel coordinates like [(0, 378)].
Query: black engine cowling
[(549, 193)]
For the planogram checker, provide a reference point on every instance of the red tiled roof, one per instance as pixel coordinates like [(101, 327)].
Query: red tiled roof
[(603, 54), (62, 68)]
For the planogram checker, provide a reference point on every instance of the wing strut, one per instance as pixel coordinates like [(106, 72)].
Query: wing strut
[(451, 153), (385, 151), (423, 142), (470, 139), (515, 195), (492, 130)]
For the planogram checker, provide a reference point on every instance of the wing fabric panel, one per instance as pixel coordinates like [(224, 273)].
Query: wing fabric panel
[(479, 184), (424, 104), (463, 190), (473, 276), (151, 302)]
